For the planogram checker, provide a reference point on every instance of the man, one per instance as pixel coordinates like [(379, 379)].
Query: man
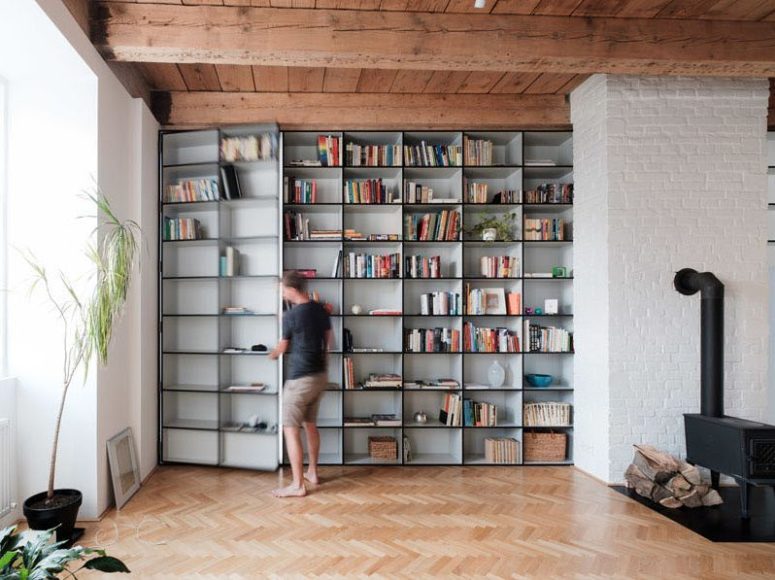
[(307, 332)]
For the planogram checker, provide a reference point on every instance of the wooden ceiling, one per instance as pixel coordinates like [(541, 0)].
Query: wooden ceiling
[(206, 62)]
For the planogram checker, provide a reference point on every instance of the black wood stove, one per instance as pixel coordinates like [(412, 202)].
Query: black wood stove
[(744, 450)]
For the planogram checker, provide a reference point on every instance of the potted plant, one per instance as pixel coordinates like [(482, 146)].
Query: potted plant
[(87, 319), (491, 228), (34, 556)]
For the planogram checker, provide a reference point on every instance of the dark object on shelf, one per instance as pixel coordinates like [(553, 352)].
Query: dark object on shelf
[(536, 380), (545, 446), (744, 450), (347, 340), (259, 348), (60, 514), (721, 523), (230, 183)]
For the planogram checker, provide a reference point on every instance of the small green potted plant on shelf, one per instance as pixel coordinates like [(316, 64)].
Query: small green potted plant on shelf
[(35, 557), (87, 317), (494, 228)]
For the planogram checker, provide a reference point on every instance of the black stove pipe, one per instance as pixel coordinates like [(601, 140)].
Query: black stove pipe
[(688, 281)]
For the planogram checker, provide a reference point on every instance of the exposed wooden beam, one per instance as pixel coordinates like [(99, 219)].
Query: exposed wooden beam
[(362, 110), (400, 40)]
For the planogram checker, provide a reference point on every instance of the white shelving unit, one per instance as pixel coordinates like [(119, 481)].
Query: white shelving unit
[(198, 413)]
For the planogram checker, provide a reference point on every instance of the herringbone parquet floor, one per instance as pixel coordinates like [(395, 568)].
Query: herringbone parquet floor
[(193, 523)]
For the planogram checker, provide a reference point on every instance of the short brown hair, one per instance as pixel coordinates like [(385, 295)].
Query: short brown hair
[(292, 279)]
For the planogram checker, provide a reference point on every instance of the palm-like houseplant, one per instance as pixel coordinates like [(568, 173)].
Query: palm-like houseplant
[(88, 319)]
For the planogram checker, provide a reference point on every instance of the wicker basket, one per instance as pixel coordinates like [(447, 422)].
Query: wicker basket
[(383, 447), (544, 446), (548, 414)]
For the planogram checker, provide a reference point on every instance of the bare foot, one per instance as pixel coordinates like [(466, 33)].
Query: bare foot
[(290, 491), (313, 479)]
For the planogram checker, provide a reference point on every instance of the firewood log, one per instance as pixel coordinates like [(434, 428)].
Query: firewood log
[(691, 499), (643, 486), (691, 473), (671, 502), (712, 498)]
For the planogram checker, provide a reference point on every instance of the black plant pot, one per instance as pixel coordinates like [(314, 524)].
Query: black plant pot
[(61, 514)]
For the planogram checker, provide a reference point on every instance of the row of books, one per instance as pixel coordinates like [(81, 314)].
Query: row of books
[(182, 229), (427, 155), (416, 193), (490, 301), (499, 267), (355, 235), (431, 340), (438, 226), (547, 229), (372, 265), (350, 382), (503, 450), (451, 409), (477, 151), (300, 191), (479, 414), (482, 339), (186, 190), (260, 147), (547, 338), (422, 266), (229, 262), (433, 384), (297, 227), (368, 191), (372, 155), (382, 381), (550, 193), (328, 150), (441, 304), (376, 420), (478, 193)]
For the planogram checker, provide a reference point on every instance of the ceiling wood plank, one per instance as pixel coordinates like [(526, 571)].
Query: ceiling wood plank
[(464, 6), (235, 77), (685, 8), (556, 7), (200, 77), (514, 83), (376, 80), (598, 8), (363, 110), (548, 83), (739, 10), (414, 5), (411, 81), (395, 40), (641, 8), (572, 84), (446, 81), (341, 80), (349, 4), (163, 76), (480, 81), (515, 6), (272, 79), (292, 3), (305, 79)]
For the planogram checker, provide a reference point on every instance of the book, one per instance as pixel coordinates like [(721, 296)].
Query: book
[(431, 340), (483, 339), (337, 265), (450, 411), (230, 183), (357, 155), (386, 420), (357, 265), (192, 190), (358, 422), (441, 304), (254, 388), (437, 226), (260, 147), (547, 338), (425, 154), (547, 229), (328, 150), (550, 193), (422, 267), (376, 380), (176, 229)]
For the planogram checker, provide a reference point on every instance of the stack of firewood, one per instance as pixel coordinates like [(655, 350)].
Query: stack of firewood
[(668, 480)]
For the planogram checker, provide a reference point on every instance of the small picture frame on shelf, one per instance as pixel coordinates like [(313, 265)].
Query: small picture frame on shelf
[(551, 306), (494, 301), (559, 272)]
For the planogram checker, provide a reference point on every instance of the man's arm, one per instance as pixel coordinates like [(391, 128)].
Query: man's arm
[(281, 348)]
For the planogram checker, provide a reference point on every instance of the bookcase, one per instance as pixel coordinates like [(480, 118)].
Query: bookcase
[(220, 254), (530, 170)]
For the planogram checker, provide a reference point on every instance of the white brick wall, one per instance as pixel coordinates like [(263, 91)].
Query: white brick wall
[(670, 173)]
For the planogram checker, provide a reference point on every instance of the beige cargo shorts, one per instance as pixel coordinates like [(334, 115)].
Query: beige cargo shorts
[(301, 399)]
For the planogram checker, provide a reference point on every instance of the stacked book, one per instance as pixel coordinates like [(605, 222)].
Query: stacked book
[(479, 414), (451, 409), (372, 265), (376, 420), (229, 262), (504, 450), (382, 381), (328, 150), (440, 304), (187, 190), (349, 374), (550, 193), (435, 384), (297, 227), (251, 388), (479, 339), (438, 226), (476, 302), (422, 267), (372, 155), (353, 234), (499, 267), (182, 229), (416, 193), (477, 151), (299, 191), (431, 340), (367, 191), (426, 155), (547, 229), (237, 311), (249, 148), (548, 338)]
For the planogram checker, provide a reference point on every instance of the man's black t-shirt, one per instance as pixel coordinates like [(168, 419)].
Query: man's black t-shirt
[(305, 325)]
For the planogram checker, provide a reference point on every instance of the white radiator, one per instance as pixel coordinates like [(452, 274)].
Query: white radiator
[(7, 468)]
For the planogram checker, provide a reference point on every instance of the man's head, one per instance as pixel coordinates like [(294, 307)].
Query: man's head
[(294, 287)]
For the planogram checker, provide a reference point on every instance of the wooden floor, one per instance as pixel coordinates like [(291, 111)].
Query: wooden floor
[(421, 522)]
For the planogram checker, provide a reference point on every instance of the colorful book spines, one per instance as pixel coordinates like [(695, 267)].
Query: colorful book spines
[(372, 155), (427, 155), (328, 150), (501, 450), (479, 414), (182, 229), (499, 267), (547, 229), (372, 265), (300, 191), (438, 226), (548, 338), (477, 151), (188, 190), (431, 340), (482, 339), (367, 191), (422, 267), (550, 193)]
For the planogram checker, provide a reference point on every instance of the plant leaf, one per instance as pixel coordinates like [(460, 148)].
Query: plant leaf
[(6, 559), (107, 564)]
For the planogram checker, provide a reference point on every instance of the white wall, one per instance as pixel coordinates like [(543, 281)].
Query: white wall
[(8, 411), (73, 123), (683, 183)]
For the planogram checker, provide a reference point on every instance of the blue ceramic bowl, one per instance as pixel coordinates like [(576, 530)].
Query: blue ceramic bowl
[(539, 380)]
